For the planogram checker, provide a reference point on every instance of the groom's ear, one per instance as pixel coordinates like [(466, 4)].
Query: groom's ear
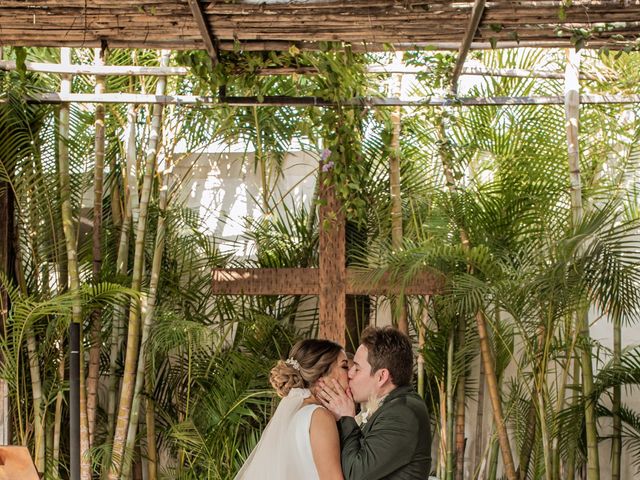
[(383, 377)]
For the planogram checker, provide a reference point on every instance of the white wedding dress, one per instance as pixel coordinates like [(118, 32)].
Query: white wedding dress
[(284, 450)]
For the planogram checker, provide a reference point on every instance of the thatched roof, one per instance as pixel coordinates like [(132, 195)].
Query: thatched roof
[(273, 25)]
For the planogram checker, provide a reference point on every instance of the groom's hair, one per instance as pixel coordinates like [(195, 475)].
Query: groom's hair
[(389, 348)]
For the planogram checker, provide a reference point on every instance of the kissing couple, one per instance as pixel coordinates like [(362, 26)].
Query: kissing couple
[(315, 433)]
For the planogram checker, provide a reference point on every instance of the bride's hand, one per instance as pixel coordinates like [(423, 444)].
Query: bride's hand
[(335, 399)]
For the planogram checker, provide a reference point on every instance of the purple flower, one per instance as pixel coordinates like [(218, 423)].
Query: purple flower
[(327, 166), (326, 153)]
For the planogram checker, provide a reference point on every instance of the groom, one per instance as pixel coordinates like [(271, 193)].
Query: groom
[(394, 440)]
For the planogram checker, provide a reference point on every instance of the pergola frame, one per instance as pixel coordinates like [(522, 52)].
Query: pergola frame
[(369, 25)]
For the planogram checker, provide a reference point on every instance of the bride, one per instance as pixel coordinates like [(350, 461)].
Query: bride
[(301, 439)]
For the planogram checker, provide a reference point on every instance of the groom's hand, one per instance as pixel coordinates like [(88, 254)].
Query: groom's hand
[(334, 398)]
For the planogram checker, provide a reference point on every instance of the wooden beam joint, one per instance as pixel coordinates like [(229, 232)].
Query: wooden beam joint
[(472, 28), (210, 42)]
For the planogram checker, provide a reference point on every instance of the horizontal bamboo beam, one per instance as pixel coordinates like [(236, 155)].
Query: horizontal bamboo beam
[(282, 101), (103, 70), (305, 281), (134, 70)]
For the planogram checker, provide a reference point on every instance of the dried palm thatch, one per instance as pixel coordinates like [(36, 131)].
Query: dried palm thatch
[(276, 24)]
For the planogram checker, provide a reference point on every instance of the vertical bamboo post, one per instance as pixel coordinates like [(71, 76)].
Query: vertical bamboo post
[(572, 110), (133, 335), (333, 272), (94, 352), (75, 328), (7, 254), (148, 303), (394, 181)]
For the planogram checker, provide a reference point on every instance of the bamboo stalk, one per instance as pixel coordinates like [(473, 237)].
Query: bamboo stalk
[(460, 405), (479, 434), (616, 440), (7, 244), (442, 432), (494, 395), (571, 456), (8, 247), (131, 357), (96, 328), (395, 187), (122, 262), (573, 334), (38, 407), (149, 301), (446, 159), (422, 327), (450, 456), (75, 380), (572, 106), (57, 423)]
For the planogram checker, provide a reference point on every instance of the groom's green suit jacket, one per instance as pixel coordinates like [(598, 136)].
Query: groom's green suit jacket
[(394, 443)]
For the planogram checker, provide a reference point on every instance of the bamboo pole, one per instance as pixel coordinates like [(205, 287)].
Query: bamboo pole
[(422, 328), (572, 108), (483, 334), (75, 333), (136, 70), (395, 187), (131, 357), (57, 425), (479, 430), (122, 263), (7, 253), (450, 455), (96, 328), (616, 440), (149, 300), (446, 158)]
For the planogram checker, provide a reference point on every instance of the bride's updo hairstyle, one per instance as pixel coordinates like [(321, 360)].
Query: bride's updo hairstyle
[(308, 361)]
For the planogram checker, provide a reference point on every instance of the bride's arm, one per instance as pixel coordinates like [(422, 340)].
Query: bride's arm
[(325, 445)]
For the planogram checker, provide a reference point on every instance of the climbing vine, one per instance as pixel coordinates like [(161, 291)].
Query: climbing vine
[(340, 79)]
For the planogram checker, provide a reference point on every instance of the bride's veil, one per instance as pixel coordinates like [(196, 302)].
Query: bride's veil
[(276, 445)]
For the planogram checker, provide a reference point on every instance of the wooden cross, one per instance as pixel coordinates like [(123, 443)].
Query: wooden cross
[(332, 281)]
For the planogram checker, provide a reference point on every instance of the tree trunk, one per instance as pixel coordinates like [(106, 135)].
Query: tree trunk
[(96, 328), (572, 107), (131, 356)]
